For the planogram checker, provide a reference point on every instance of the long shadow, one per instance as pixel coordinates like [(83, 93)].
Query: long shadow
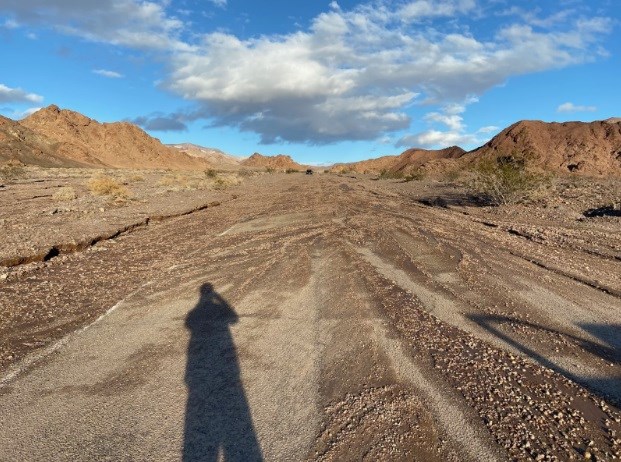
[(607, 388), (218, 424)]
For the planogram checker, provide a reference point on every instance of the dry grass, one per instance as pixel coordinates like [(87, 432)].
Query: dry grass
[(103, 185), (66, 193), (12, 170)]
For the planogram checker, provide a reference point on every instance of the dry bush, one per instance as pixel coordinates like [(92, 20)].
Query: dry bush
[(270, 170), (103, 185), (505, 180), (12, 170), (292, 170), (244, 172), (211, 173), (66, 193), (136, 178), (223, 182)]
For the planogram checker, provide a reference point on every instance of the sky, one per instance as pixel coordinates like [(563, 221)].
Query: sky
[(323, 81)]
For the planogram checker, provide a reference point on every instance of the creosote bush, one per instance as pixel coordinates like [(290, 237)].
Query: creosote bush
[(211, 173), (390, 175), (504, 180), (292, 170)]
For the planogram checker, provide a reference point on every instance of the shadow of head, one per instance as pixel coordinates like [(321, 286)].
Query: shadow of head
[(211, 309)]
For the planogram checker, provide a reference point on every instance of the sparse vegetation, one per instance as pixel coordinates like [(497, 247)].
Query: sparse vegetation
[(270, 170), (136, 178), (12, 170), (211, 173), (292, 170), (452, 176), (415, 175), (66, 193), (504, 180), (103, 185), (390, 175)]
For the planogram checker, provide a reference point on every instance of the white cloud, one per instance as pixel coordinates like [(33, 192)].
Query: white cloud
[(29, 111), (133, 23), (307, 86), (351, 75), (17, 95), (438, 139), (488, 129), (571, 107), (219, 3), (106, 73)]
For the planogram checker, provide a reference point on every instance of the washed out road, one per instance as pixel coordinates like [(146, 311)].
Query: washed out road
[(316, 318)]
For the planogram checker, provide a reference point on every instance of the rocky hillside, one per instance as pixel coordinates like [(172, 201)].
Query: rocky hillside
[(214, 156), (18, 143), (279, 162), (587, 148), (407, 161), (80, 141)]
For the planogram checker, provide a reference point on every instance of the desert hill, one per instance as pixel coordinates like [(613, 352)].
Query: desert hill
[(590, 148), (18, 143), (214, 156), (405, 162), (279, 162), (76, 140)]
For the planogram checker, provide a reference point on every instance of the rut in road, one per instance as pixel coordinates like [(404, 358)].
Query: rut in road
[(324, 323)]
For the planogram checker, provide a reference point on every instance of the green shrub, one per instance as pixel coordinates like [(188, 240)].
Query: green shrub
[(415, 175), (390, 175), (504, 180)]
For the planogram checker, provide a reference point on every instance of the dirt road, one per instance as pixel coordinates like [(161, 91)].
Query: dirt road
[(316, 318)]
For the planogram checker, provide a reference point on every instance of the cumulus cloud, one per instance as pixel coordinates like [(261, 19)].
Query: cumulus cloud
[(454, 130), (571, 107), (139, 24), (159, 122), (17, 95), (107, 73), (353, 74)]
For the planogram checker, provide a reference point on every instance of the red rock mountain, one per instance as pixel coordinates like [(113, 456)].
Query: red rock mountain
[(75, 140), (279, 162), (18, 143), (407, 161), (587, 148)]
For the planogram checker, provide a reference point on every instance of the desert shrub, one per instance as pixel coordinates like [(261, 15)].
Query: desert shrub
[(292, 170), (504, 180), (102, 185), (136, 178), (415, 175), (270, 169), (223, 182), (66, 193), (390, 175), (211, 173), (452, 175), (12, 170), (244, 172)]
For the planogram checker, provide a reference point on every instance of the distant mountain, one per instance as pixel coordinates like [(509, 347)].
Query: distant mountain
[(589, 148), (279, 162), (212, 155), (407, 161), (80, 141)]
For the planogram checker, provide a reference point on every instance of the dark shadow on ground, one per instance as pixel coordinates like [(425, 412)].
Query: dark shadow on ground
[(455, 199), (218, 424), (607, 388), (607, 211)]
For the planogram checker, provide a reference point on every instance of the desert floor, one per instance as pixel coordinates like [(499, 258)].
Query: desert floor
[(307, 317)]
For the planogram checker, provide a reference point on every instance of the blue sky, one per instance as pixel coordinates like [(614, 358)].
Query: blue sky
[(324, 81)]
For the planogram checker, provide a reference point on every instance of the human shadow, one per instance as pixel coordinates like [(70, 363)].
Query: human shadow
[(218, 424), (608, 388)]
